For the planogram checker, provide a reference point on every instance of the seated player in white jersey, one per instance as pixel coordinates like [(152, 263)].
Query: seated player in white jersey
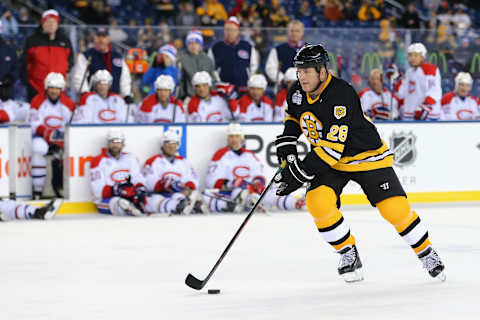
[(116, 180), (459, 104), (171, 181), (161, 106), (13, 210), (207, 105), (281, 98), (101, 105), (255, 105), (421, 91), (235, 179), (11, 110), (49, 112), (378, 102)]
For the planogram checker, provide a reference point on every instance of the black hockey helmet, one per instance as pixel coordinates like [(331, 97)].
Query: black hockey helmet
[(311, 55)]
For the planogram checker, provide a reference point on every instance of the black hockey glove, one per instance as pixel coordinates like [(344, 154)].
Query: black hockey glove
[(286, 145), (292, 177), (129, 99)]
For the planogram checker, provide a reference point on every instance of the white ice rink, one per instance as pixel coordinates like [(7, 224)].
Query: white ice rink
[(102, 267)]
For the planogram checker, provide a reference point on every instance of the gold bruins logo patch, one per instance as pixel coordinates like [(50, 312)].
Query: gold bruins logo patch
[(339, 112), (311, 127)]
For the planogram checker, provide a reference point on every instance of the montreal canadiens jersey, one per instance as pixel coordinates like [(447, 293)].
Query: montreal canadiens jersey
[(280, 105), (159, 171), (106, 171), (386, 101), (12, 110), (47, 116), (250, 111), (227, 165), (421, 86), (216, 109), (151, 111), (455, 107), (340, 134), (92, 108)]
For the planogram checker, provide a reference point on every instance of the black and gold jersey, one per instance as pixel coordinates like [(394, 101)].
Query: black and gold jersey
[(340, 134)]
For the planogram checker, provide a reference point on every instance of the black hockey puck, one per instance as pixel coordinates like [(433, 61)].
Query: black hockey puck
[(213, 291)]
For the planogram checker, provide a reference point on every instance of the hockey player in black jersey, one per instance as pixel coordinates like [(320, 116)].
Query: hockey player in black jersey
[(345, 145)]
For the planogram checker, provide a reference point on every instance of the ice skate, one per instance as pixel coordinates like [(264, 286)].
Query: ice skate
[(350, 265), (129, 208), (431, 261), (48, 211), (184, 207), (200, 207)]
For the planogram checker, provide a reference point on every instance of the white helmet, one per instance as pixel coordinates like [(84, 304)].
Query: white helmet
[(257, 81), (55, 80), (102, 76), (115, 135), (234, 128), (171, 135), (164, 81), (463, 77), (418, 48), (201, 77), (290, 75)]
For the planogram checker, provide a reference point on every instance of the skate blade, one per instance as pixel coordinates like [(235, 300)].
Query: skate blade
[(354, 276), (441, 276), (57, 203)]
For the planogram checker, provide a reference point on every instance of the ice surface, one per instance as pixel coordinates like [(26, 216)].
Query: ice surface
[(102, 267)]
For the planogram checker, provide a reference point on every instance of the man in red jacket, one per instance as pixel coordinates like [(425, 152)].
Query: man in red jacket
[(46, 50)]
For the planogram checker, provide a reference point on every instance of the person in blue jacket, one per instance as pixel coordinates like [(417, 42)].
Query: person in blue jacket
[(164, 63)]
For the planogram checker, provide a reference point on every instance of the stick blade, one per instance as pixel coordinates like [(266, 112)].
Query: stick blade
[(193, 282)]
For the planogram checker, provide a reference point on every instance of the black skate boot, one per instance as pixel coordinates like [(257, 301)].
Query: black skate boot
[(431, 261), (184, 207), (200, 207), (350, 265), (48, 211)]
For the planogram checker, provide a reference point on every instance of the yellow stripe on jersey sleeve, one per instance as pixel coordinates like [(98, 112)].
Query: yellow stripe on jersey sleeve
[(325, 157), (291, 118), (332, 145), (366, 154)]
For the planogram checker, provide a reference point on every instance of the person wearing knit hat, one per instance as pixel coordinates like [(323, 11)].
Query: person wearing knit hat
[(47, 50), (242, 59), (191, 61), (164, 63)]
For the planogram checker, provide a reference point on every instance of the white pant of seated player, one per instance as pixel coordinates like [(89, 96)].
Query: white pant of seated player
[(12, 210), (39, 163)]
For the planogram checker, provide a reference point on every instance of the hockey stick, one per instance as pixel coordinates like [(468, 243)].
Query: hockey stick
[(89, 61), (197, 284), (177, 88)]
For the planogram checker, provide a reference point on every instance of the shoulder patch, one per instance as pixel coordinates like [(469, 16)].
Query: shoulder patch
[(339, 112)]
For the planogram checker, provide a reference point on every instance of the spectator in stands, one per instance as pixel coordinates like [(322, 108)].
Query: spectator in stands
[(96, 13), (255, 105), (9, 25), (386, 50), (262, 12), (103, 57), (164, 9), (9, 69), (279, 15), (164, 63), (410, 18), (349, 12), (459, 104), (132, 33), (235, 60), (115, 33), (193, 61), (304, 14), (280, 58), (161, 106), (368, 12), (333, 10), (187, 15), (445, 15), (245, 15), (47, 50), (24, 16), (461, 20), (211, 13), (445, 42)]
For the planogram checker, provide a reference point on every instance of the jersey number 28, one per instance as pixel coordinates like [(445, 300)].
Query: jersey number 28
[(338, 133)]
